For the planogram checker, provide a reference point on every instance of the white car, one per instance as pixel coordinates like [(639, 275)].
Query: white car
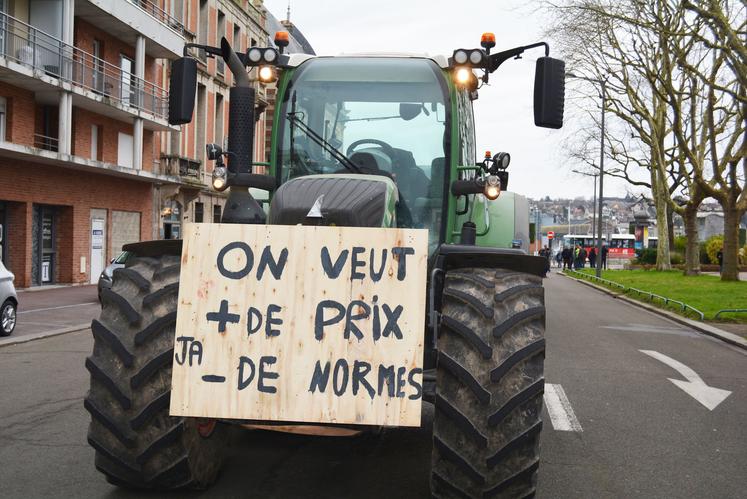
[(8, 302)]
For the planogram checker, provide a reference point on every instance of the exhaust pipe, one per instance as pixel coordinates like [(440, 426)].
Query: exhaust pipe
[(241, 207)]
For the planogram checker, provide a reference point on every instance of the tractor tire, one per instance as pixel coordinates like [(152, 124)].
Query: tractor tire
[(137, 443), (489, 385)]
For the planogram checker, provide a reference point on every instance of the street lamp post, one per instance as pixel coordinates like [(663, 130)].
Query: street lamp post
[(603, 84)]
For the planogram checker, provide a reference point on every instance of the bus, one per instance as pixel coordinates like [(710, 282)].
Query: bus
[(621, 246), (586, 241)]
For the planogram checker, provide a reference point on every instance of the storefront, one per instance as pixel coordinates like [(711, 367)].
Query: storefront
[(44, 245)]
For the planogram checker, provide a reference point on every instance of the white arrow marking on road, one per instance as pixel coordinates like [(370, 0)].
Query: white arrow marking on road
[(694, 386), (559, 408)]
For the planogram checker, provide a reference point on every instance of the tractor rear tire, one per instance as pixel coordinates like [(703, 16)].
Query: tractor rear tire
[(489, 385), (137, 443)]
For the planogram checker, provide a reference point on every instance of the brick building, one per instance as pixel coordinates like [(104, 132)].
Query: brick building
[(243, 23), (88, 161)]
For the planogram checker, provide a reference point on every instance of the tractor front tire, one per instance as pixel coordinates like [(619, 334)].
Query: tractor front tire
[(489, 385), (137, 443)]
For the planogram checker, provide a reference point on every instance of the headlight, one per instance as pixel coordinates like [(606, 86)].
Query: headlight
[(267, 74), (105, 277), (463, 75), (219, 178), (492, 187)]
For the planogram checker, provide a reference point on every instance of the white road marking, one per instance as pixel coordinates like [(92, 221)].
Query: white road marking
[(57, 308), (709, 396), (559, 408)]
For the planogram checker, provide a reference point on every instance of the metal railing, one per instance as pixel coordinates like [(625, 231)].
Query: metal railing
[(684, 307), (46, 142), (31, 47), (730, 311), (154, 10)]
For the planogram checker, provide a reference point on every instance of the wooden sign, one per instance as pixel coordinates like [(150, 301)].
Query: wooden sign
[(301, 324)]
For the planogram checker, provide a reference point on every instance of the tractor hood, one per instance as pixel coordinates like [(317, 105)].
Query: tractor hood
[(349, 200)]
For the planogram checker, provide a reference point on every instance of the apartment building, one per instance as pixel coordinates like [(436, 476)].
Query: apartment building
[(88, 161), (82, 110), (243, 23)]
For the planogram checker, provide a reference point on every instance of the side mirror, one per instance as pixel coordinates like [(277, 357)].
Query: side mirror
[(549, 92), (182, 89)]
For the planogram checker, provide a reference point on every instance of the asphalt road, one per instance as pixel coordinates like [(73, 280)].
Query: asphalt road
[(642, 436), (43, 310)]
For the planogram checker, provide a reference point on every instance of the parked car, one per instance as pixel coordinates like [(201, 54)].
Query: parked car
[(8, 302), (105, 279)]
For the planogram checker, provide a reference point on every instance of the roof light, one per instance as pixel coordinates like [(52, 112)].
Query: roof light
[(282, 38), (487, 41)]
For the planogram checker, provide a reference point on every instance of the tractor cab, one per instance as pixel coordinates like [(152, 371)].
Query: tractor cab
[(383, 121)]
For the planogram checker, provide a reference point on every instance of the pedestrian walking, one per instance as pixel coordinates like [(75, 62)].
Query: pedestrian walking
[(558, 258), (593, 258), (577, 257), (582, 257)]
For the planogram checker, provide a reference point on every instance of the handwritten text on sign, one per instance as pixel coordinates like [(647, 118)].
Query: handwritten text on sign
[(298, 323)]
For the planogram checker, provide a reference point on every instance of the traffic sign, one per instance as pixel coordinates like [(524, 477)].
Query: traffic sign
[(550, 234)]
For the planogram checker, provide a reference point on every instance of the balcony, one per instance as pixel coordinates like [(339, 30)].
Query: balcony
[(124, 19), (186, 168), (25, 49), (152, 9)]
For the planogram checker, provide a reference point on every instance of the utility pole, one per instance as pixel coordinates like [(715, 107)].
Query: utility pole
[(603, 84)]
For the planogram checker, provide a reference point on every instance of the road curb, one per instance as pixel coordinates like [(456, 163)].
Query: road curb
[(6, 342), (700, 327)]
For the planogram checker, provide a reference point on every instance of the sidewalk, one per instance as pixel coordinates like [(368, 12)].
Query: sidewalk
[(46, 312)]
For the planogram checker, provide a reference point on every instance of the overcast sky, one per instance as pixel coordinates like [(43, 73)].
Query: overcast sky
[(503, 112)]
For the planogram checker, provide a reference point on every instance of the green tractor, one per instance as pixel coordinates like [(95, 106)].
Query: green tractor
[(362, 141)]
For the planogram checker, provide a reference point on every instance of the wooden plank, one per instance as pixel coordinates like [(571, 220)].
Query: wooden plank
[(299, 324)]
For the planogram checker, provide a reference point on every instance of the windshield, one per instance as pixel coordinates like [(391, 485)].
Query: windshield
[(387, 116)]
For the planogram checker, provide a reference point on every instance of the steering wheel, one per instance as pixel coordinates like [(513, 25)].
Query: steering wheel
[(389, 150)]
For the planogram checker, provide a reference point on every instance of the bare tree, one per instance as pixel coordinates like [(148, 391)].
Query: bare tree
[(678, 69)]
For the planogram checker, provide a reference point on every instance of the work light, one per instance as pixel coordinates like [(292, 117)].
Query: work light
[(254, 55), (460, 56)]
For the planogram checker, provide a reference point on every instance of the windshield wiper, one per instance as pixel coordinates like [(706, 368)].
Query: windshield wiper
[(319, 140)]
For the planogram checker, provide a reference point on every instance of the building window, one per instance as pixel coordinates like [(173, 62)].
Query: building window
[(221, 33), (201, 124), (216, 213), (124, 150), (237, 37), (95, 137), (3, 114), (98, 64), (199, 212), (202, 28), (219, 119)]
